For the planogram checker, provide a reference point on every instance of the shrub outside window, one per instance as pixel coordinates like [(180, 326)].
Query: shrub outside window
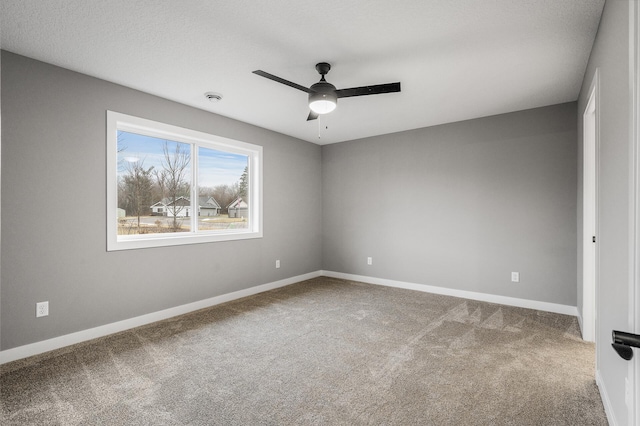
[(168, 185)]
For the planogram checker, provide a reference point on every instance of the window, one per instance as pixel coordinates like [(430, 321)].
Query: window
[(168, 185)]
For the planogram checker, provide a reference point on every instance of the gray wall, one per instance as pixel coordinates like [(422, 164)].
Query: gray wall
[(460, 205), (53, 161), (611, 55)]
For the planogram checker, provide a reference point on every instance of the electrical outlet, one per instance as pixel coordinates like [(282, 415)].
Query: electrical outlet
[(42, 309), (369, 260), (515, 277), (278, 264)]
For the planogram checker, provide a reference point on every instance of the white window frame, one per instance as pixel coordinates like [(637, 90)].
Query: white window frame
[(128, 123)]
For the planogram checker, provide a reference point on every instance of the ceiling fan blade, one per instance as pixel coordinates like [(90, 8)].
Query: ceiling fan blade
[(368, 90), (312, 115), (281, 80)]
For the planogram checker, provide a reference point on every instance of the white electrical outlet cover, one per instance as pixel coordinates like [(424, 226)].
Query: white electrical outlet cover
[(42, 309)]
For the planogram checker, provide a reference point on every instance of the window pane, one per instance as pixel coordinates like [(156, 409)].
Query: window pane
[(223, 188), (154, 185), (170, 186)]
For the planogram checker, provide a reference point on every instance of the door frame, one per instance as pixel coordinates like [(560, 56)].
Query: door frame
[(632, 390), (591, 140)]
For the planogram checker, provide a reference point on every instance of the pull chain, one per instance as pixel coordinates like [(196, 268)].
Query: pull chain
[(320, 127)]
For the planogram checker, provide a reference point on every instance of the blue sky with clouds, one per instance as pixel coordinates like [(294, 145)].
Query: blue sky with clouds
[(215, 167)]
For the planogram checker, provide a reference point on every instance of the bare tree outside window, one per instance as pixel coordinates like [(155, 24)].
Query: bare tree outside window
[(136, 185), (173, 179)]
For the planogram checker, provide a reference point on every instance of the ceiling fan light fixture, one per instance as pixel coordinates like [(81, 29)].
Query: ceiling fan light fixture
[(322, 105), (323, 98)]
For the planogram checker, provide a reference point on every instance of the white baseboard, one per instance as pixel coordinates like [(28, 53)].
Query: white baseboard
[(580, 323), (107, 329), (484, 297), (104, 330), (608, 409)]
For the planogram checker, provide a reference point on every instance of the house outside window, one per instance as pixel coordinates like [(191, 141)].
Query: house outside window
[(179, 186)]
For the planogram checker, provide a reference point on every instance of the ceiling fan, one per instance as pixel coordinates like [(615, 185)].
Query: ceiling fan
[(323, 96)]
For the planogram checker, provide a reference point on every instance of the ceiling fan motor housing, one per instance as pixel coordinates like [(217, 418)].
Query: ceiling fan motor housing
[(323, 95)]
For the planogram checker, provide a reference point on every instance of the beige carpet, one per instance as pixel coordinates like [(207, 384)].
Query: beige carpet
[(324, 351)]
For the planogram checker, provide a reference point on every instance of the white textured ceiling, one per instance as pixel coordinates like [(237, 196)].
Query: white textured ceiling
[(456, 60)]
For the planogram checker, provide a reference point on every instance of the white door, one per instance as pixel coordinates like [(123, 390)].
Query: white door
[(589, 221)]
